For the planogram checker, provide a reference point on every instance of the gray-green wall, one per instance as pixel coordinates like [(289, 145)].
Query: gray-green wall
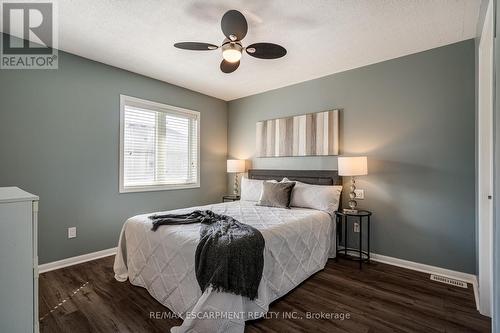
[(414, 118), (59, 135)]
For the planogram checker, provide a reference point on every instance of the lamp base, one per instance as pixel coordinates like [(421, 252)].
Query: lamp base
[(235, 185), (352, 198)]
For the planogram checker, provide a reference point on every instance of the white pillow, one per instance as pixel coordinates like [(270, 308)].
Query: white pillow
[(251, 189), (320, 197)]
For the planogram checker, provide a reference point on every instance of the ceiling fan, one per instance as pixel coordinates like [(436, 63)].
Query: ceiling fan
[(235, 27)]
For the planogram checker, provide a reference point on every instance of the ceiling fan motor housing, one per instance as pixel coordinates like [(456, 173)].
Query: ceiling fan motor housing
[(231, 45)]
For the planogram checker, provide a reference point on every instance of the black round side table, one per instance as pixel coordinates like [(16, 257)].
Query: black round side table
[(342, 220), (230, 197)]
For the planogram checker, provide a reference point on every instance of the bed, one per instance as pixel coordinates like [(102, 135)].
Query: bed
[(298, 243)]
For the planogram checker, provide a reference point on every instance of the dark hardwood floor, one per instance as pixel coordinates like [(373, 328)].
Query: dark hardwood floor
[(380, 298)]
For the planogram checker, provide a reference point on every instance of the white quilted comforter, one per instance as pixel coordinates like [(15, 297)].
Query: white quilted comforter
[(298, 241)]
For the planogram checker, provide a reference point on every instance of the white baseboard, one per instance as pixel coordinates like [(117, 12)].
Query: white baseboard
[(466, 277), (76, 260)]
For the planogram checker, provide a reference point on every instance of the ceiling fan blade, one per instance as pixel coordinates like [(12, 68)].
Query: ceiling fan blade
[(195, 46), (266, 50), (229, 67), (234, 25)]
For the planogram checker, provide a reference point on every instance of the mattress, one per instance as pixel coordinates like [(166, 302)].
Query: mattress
[(298, 243)]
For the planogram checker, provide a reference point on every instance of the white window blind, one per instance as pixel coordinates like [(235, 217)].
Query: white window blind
[(159, 146)]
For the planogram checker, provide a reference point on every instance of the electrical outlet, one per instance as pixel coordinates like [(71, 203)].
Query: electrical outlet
[(360, 194), (356, 227), (72, 232)]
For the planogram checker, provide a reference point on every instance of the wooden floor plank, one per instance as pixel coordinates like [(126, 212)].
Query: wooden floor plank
[(378, 298)]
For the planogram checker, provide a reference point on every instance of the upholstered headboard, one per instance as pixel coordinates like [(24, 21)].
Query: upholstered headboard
[(315, 177)]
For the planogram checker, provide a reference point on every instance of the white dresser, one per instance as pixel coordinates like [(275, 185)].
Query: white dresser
[(18, 261)]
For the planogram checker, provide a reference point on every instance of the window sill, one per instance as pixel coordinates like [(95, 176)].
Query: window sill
[(150, 188)]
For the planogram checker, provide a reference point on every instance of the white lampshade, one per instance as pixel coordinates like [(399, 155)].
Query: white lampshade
[(235, 166), (353, 166)]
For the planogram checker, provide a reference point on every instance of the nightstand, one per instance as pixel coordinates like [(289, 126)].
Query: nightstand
[(230, 197), (343, 219)]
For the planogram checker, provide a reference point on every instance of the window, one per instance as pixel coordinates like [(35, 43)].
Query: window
[(159, 146)]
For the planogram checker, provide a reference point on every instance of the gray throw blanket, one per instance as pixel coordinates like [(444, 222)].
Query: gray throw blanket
[(230, 254)]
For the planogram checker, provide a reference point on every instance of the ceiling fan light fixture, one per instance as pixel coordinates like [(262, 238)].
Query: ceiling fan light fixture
[(231, 55), (231, 52)]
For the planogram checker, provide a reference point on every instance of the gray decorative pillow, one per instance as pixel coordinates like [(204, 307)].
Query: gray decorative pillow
[(276, 194)]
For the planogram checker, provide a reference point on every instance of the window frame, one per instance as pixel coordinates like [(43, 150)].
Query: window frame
[(158, 107)]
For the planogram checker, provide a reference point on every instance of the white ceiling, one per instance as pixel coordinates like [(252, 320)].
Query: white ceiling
[(322, 37)]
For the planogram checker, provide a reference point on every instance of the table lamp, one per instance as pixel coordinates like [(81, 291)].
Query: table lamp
[(352, 166), (236, 167)]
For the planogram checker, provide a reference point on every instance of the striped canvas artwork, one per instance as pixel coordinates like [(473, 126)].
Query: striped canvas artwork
[(311, 134)]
